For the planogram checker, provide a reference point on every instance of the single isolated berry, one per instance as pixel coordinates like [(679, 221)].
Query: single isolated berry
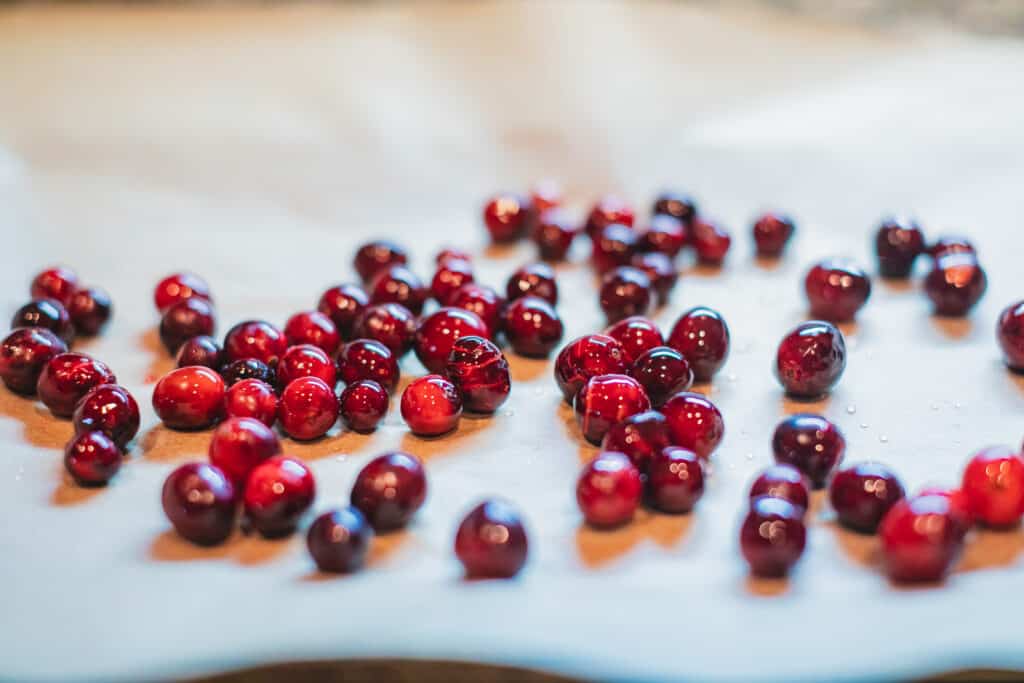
[(993, 484), (663, 372), (609, 490), (811, 444), (862, 494), (277, 493), (431, 406), (606, 399), (1010, 333), (625, 291), (363, 404), (480, 372), (836, 290), (239, 444), (189, 398), (308, 408), (898, 243), (710, 240), (449, 277), (811, 359), (255, 339), (368, 359), (921, 539), (640, 437), (772, 232), (179, 287), (532, 326), (339, 540), (586, 357), (111, 409), (702, 336), (23, 355), (92, 458), (491, 541), (393, 325), (955, 284), (773, 536), (199, 501), (252, 398), (507, 217), (785, 482), (67, 378), (694, 422), (59, 284), (48, 314), (390, 489), (373, 257), (675, 480)]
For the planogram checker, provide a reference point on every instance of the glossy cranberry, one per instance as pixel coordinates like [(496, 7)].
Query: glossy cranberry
[(993, 484), (609, 490), (546, 195), (479, 370), (694, 422), (773, 536), (607, 211), (189, 398), (554, 235), (255, 339), (951, 245), (374, 257), (184, 320), (665, 235), (862, 494), (452, 254), (368, 359), (586, 357), (606, 399), (199, 501), (535, 279), (305, 360), (399, 285), (390, 489), (785, 482), (312, 327), (252, 398), (179, 287), (836, 290), (483, 301), (613, 246), (67, 377), (710, 240), (811, 359), (772, 231), (532, 327), (625, 292), (363, 404), (677, 205), (675, 480), (1010, 333), (308, 408), (663, 372), (57, 283), (343, 304), (437, 333), (921, 539), (247, 368), (23, 355), (391, 324), (959, 506), (811, 444), (898, 243), (200, 350), (637, 335), (506, 217), (92, 458), (239, 444), (339, 540), (639, 437), (449, 276), (48, 314), (955, 284), (90, 310), (277, 493), (111, 409), (702, 336), (491, 541), (431, 406)]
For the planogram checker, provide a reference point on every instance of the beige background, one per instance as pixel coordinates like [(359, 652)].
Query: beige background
[(260, 145)]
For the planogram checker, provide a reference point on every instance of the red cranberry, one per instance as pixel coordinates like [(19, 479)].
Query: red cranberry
[(862, 494), (694, 422), (710, 240), (675, 480), (363, 404), (993, 484), (312, 327), (898, 243), (532, 327), (48, 314), (393, 325), (702, 336), (773, 536), (110, 409), (491, 541), (546, 195), (449, 276), (431, 406), (665, 235), (660, 270), (23, 355), (374, 257), (92, 458), (368, 359), (239, 444), (607, 211), (179, 287), (586, 357), (90, 310), (811, 444), (247, 368), (184, 320), (199, 501), (772, 231), (452, 254), (306, 360), (58, 284), (637, 335), (535, 279), (606, 399), (277, 493), (951, 245), (343, 304), (255, 339), (68, 377), (201, 350), (399, 285), (1010, 333), (506, 217), (479, 371), (483, 301), (390, 489), (959, 505), (609, 490), (339, 540), (785, 482), (811, 359), (640, 437), (437, 333), (836, 290), (613, 246), (955, 284), (554, 235), (677, 205), (252, 398), (308, 408), (625, 292), (189, 398), (921, 539), (663, 372)]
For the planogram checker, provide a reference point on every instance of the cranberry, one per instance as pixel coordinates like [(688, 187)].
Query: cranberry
[(277, 493), (546, 195), (677, 205), (491, 541), (532, 327), (1010, 332), (675, 480), (586, 357), (48, 314), (343, 304), (255, 339), (959, 505), (898, 243), (660, 270), (606, 399), (483, 301), (201, 350), (535, 279), (247, 368), (184, 320), (811, 444), (637, 335), (506, 217), (479, 371), (772, 231), (921, 539), (955, 284), (306, 360), (951, 245), (179, 287), (374, 257), (640, 437), (665, 235), (663, 372), (390, 489), (67, 377), (785, 482), (111, 409), (452, 254), (92, 458), (308, 408), (431, 406), (811, 359), (710, 240), (694, 422), (339, 540), (993, 484), (862, 494), (702, 336), (625, 292), (252, 398), (609, 490), (438, 332), (609, 210), (391, 324), (363, 404), (836, 290), (773, 536), (368, 359), (554, 235), (613, 246), (57, 283), (399, 285), (239, 444), (449, 276), (199, 501), (189, 398), (312, 327), (90, 309), (23, 355)]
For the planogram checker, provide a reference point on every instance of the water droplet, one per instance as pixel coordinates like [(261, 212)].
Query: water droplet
[(851, 409), (863, 425), (934, 405), (509, 413), (958, 405), (732, 466), (750, 456), (731, 377), (883, 438)]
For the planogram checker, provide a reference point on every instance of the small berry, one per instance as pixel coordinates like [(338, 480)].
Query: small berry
[(480, 372), (702, 336), (373, 257), (92, 458), (811, 359), (836, 290), (390, 489), (605, 400), (862, 494), (785, 482), (532, 327), (339, 540), (431, 406), (694, 422), (491, 541), (308, 408), (252, 398), (363, 404), (772, 231), (811, 444), (180, 287), (277, 494), (609, 490), (993, 484), (773, 536), (675, 480), (199, 501), (955, 284)]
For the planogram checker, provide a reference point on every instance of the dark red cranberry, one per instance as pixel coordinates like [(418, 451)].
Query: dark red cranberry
[(452, 254), (90, 310), (483, 301), (184, 320), (343, 304), (480, 372), (399, 285), (239, 444), (535, 279), (959, 505), (546, 195), (607, 211), (247, 368), (339, 540), (702, 336), (785, 482), (92, 458), (306, 360), (710, 240), (111, 409), (862, 494), (993, 484), (393, 325), (811, 359), (23, 355), (898, 243), (606, 399), (810, 443), (675, 480), (532, 327), (179, 287), (609, 490), (308, 408), (951, 245), (390, 489), (694, 422), (368, 359), (586, 357), (58, 284), (363, 404), (613, 246), (189, 398), (637, 335), (554, 235), (836, 290), (663, 372), (48, 314), (277, 493), (312, 327), (506, 217), (921, 539), (449, 276), (431, 406), (437, 333), (625, 292), (201, 350), (772, 231), (639, 436), (199, 501), (665, 235), (252, 398), (255, 339), (374, 257), (955, 284), (67, 377), (660, 270), (773, 536), (1010, 333), (677, 205), (491, 541)]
